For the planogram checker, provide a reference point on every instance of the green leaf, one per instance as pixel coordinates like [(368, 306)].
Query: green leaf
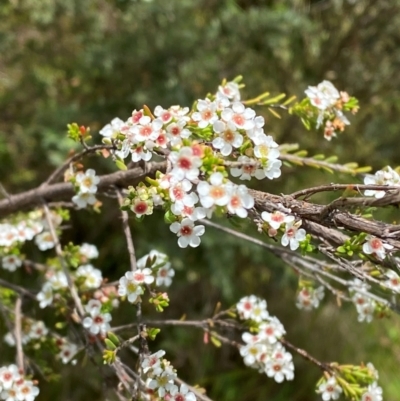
[(121, 165)]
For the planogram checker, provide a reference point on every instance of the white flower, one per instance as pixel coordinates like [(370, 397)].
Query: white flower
[(183, 394), (374, 246), (248, 169), (252, 308), (187, 232), (239, 200), (44, 241), (178, 192), (8, 234), (213, 193), (185, 164), (111, 130), (230, 90), (87, 181), (382, 177), (26, 391), (141, 152), (365, 307), (293, 235), (193, 213), (393, 281), (58, 280), (271, 330), (45, 297), (276, 219), (11, 263), (252, 352), (206, 113), (164, 275), (241, 117), (147, 130), (129, 287), (309, 297), (164, 115), (97, 322), (273, 169), (228, 137), (38, 330), (89, 251), (153, 362), (176, 131), (373, 393), (93, 276), (83, 199), (280, 365), (8, 375), (163, 383), (330, 389), (67, 351)]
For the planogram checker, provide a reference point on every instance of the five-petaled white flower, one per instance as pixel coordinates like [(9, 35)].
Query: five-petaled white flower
[(187, 232)]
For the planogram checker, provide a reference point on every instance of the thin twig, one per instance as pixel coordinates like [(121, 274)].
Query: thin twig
[(18, 335), (127, 232), (71, 285)]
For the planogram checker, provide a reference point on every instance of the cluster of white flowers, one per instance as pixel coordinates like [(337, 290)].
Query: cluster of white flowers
[(87, 187), (151, 267), (17, 234), (222, 121), (97, 323), (31, 330), (89, 276), (375, 247), (309, 297), (328, 100), (330, 388), (387, 176), (364, 304), (292, 235), (37, 331), (14, 387), (263, 351), (160, 376)]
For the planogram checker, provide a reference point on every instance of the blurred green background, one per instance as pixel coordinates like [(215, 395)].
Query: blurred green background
[(64, 61)]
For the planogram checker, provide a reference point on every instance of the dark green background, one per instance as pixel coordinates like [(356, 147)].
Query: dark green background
[(64, 61)]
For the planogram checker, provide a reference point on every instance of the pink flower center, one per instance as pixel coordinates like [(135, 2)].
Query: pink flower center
[(175, 131), (291, 232), (217, 192), (376, 244), (178, 193), (229, 136), (139, 276), (277, 217), (235, 202), (136, 116), (98, 319), (248, 306), (186, 230), (206, 115), (140, 207), (238, 119), (185, 163), (146, 131)]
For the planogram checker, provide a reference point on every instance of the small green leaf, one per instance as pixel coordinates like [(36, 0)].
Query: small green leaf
[(121, 165)]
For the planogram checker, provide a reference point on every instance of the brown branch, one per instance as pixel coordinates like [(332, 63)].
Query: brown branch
[(331, 217), (56, 173), (127, 232), (65, 191)]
